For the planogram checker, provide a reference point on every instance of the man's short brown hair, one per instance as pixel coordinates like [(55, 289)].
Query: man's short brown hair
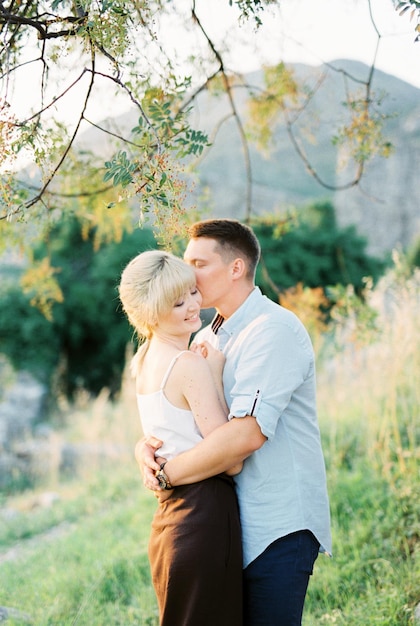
[(233, 239)]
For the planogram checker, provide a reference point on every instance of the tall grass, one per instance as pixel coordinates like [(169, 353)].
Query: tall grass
[(83, 560), (369, 399)]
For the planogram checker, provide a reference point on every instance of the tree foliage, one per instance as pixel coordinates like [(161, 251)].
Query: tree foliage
[(120, 49), (105, 37), (95, 54), (83, 343), (314, 252), (412, 7)]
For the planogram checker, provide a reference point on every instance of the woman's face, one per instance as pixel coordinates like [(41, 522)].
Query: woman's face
[(184, 317)]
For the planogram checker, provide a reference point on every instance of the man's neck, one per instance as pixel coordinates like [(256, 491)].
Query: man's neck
[(228, 308)]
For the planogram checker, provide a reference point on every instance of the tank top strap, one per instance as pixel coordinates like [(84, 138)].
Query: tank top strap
[(169, 370)]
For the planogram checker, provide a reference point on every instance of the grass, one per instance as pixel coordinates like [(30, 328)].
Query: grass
[(83, 560), (373, 577), (369, 400), (93, 569)]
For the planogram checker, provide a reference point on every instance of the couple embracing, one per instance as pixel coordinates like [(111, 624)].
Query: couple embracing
[(232, 446)]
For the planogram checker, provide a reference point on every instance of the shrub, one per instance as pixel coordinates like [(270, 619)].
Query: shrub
[(314, 251), (84, 344)]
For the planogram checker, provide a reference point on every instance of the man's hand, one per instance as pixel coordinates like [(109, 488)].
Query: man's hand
[(145, 453)]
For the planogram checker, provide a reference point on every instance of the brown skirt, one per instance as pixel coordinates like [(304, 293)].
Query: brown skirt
[(195, 555)]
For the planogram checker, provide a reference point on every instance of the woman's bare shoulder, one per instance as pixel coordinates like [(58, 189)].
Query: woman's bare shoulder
[(191, 364)]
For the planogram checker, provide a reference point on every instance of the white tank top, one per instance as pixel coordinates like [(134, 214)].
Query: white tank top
[(174, 426)]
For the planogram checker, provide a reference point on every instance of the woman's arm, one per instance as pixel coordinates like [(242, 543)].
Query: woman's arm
[(200, 379), (216, 361), (197, 383), (202, 387)]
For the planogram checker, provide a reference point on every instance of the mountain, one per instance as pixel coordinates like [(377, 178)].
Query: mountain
[(383, 207)]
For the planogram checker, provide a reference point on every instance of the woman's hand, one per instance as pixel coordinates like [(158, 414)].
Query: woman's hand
[(216, 361), (215, 358)]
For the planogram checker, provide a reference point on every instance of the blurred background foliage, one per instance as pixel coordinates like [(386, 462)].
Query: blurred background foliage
[(80, 341), (82, 345)]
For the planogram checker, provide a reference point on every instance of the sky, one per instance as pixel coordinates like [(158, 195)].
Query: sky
[(317, 31), (307, 31)]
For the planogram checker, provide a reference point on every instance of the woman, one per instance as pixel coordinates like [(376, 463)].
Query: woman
[(195, 543)]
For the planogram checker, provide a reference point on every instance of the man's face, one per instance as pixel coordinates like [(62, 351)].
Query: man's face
[(212, 274)]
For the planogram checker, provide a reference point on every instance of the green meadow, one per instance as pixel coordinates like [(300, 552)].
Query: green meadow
[(82, 559)]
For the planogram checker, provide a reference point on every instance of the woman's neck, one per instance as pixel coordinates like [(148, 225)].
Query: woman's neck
[(169, 341)]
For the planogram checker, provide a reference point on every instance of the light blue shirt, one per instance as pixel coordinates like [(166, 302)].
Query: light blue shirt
[(270, 373)]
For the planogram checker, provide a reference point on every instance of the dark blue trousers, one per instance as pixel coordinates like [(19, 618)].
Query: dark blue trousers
[(275, 583)]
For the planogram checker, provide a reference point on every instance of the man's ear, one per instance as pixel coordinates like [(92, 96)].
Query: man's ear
[(238, 268)]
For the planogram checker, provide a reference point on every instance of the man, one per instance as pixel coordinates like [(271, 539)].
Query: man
[(269, 382)]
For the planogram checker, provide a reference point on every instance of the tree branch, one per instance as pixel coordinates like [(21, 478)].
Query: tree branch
[(10, 18), (119, 82), (55, 100), (34, 200), (228, 90), (42, 26)]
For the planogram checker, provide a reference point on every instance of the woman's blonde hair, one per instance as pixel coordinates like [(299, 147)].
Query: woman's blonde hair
[(149, 287)]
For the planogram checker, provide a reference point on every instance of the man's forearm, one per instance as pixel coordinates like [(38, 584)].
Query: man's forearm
[(224, 447)]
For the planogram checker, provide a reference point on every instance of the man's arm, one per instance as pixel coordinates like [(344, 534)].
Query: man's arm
[(226, 446)]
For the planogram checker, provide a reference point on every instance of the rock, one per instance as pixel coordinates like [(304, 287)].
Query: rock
[(7, 613), (12, 469), (74, 456), (8, 514), (46, 499), (21, 407), (31, 452)]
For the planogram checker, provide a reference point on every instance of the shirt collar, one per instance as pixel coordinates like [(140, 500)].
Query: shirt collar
[(217, 322), (237, 318)]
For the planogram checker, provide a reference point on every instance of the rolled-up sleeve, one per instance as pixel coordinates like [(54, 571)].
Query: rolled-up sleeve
[(274, 361), (270, 373)]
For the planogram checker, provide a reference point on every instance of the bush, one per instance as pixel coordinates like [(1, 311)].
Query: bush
[(26, 336), (314, 252), (84, 344)]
